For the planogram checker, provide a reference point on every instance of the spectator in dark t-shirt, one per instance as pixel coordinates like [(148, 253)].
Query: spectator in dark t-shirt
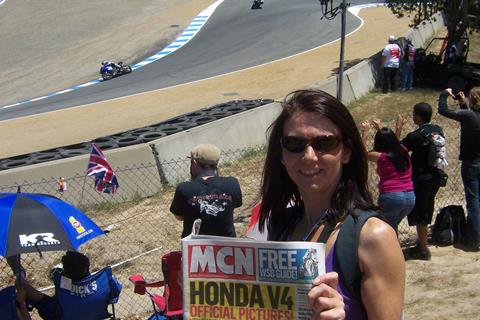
[(207, 196), (469, 118), (426, 178)]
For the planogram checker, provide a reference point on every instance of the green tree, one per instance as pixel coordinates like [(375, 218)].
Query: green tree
[(459, 15)]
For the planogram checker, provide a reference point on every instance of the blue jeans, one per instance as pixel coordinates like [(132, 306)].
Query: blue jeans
[(471, 185), (407, 75), (394, 206)]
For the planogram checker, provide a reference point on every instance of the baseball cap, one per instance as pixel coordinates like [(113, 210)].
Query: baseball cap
[(391, 38), (206, 154)]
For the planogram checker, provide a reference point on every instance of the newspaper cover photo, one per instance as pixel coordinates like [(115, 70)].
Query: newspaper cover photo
[(235, 278)]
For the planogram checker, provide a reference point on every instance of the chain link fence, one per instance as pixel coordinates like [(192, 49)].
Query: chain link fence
[(141, 228)]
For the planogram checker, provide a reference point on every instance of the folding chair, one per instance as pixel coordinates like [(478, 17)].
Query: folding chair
[(169, 305), (8, 310), (89, 298)]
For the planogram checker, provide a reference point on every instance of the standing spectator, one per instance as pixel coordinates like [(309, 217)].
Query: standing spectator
[(426, 178), (391, 63), (396, 197), (469, 118), (207, 196), (452, 54), (408, 65), (457, 44), (62, 185), (314, 183)]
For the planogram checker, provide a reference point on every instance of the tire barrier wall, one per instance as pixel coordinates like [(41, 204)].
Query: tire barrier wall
[(137, 136), (234, 132), (246, 128)]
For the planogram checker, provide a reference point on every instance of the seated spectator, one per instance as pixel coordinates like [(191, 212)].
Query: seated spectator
[(396, 196), (76, 267)]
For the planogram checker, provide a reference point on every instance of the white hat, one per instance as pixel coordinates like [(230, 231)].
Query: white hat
[(391, 38)]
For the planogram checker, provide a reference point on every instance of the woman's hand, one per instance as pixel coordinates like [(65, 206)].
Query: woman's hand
[(399, 125), (462, 99), (450, 92), (324, 298), (376, 124), (399, 122), (365, 126)]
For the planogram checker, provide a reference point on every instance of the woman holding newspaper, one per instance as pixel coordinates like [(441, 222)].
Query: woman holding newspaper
[(314, 186)]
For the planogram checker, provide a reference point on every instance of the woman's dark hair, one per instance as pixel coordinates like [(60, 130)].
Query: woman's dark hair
[(76, 266), (386, 141), (474, 98), (277, 189)]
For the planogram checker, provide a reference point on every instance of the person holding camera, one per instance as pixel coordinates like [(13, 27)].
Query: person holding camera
[(469, 117)]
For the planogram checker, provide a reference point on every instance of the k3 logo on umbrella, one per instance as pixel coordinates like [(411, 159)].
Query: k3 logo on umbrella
[(37, 239)]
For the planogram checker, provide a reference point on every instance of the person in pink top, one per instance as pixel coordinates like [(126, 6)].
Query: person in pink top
[(396, 196)]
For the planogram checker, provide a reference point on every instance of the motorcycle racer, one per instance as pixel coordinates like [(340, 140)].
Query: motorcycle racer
[(107, 63), (110, 69)]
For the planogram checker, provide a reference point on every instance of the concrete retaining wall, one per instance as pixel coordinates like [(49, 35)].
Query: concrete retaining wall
[(238, 131)]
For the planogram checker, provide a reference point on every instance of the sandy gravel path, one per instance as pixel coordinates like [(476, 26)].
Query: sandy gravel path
[(272, 80)]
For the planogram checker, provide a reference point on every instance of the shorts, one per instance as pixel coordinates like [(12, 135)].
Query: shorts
[(425, 192)]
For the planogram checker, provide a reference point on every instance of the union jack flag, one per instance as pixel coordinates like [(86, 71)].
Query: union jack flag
[(105, 178)]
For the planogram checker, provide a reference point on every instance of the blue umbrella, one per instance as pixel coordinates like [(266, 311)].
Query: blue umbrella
[(37, 222)]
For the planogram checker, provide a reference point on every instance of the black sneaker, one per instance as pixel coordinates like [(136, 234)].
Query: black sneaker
[(467, 247), (414, 253)]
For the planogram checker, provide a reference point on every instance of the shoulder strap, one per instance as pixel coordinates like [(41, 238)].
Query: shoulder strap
[(425, 131), (326, 232), (346, 250), (429, 129)]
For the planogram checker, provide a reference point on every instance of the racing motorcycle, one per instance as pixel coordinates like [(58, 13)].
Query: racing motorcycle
[(110, 71), (257, 4)]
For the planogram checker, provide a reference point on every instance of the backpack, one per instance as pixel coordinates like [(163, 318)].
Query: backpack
[(450, 226), (437, 152)]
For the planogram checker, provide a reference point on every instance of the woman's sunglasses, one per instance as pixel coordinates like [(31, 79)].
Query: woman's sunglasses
[(319, 144)]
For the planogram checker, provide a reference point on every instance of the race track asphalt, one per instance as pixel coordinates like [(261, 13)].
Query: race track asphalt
[(234, 38), (271, 80)]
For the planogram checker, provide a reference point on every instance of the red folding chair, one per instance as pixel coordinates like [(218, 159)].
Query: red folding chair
[(168, 305)]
